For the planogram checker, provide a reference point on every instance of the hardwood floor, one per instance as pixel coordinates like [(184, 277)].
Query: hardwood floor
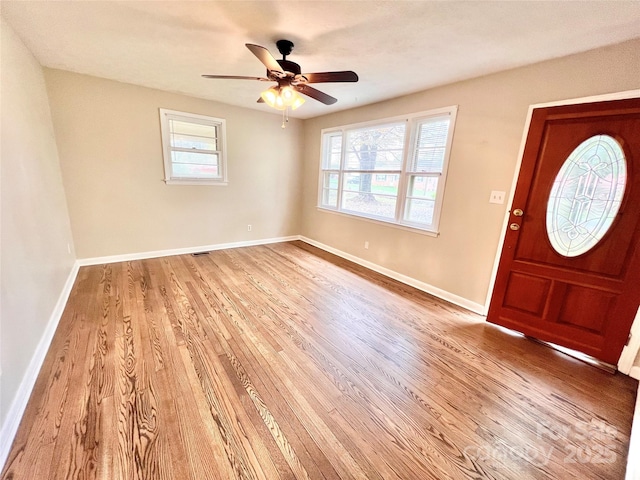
[(283, 361)]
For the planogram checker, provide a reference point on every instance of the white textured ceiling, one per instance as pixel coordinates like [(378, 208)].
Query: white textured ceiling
[(396, 47)]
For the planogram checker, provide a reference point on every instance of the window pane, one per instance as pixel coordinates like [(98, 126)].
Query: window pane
[(369, 204), (429, 160), (586, 195), (193, 129), (190, 141), (194, 157), (332, 151), (375, 148), (423, 187), (191, 170), (336, 151), (430, 145), (387, 184), (374, 160), (331, 180), (419, 211), (330, 189), (367, 183), (352, 182), (329, 197)]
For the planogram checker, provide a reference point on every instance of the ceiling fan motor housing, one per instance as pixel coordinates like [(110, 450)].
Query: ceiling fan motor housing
[(288, 66)]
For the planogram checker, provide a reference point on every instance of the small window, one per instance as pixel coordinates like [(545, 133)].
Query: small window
[(392, 171), (193, 148), (586, 195)]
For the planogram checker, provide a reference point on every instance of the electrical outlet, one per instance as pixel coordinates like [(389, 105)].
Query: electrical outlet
[(497, 196), (248, 228), (366, 245)]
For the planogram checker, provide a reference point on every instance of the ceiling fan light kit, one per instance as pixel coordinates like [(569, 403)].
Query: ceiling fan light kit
[(290, 81), (282, 97)]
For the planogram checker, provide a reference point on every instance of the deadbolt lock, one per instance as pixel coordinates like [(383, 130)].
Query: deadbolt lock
[(518, 213)]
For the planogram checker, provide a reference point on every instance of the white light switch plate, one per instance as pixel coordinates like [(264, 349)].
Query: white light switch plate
[(497, 196)]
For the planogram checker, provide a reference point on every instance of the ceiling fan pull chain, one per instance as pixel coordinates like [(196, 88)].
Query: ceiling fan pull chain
[(285, 117)]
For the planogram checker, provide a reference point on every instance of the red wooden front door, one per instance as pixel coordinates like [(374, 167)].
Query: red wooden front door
[(556, 281)]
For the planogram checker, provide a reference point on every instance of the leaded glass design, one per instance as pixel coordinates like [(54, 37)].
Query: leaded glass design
[(586, 195)]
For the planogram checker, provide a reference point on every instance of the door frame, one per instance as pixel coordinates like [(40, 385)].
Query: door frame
[(625, 362)]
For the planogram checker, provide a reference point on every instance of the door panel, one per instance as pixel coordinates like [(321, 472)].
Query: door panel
[(582, 307), (586, 302), (527, 293)]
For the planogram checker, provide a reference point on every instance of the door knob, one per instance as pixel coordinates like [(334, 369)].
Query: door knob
[(514, 226), (518, 213)]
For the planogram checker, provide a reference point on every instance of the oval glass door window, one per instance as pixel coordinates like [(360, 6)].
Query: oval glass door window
[(586, 195)]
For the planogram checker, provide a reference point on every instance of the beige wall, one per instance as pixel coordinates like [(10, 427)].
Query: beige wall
[(491, 117), (35, 224), (108, 137)]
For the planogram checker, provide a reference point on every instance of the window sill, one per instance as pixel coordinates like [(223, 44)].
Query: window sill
[(399, 226), (197, 182)]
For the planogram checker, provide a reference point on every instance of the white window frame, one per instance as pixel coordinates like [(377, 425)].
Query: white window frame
[(167, 148), (413, 122)]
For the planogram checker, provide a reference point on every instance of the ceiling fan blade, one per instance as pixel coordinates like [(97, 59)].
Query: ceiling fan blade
[(325, 77), (237, 77), (265, 57), (260, 100), (316, 94)]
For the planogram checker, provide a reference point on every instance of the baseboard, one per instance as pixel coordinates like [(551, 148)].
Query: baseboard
[(181, 251), (425, 287), (19, 404), (635, 373)]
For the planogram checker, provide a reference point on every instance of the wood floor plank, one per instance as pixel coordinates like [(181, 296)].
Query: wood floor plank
[(219, 392), (236, 327), (283, 361), (74, 452)]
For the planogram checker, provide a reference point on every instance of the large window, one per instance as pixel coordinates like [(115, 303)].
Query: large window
[(393, 170), (193, 148)]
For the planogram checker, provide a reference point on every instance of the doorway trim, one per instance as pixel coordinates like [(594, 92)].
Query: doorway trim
[(629, 352)]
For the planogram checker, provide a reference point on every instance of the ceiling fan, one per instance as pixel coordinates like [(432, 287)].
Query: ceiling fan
[(289, 79)]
